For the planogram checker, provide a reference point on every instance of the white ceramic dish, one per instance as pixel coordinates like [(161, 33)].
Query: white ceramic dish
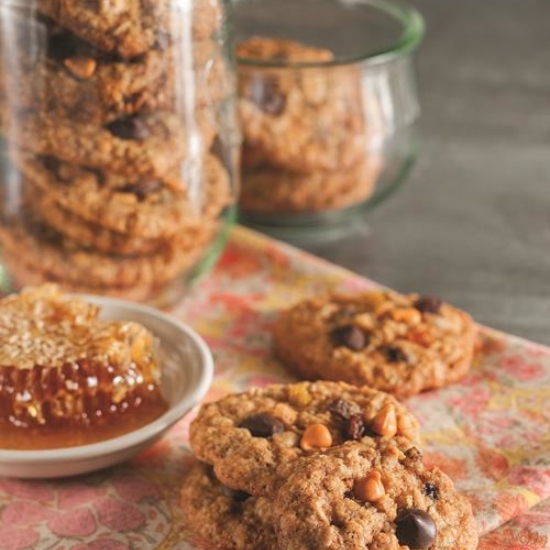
[(187, 371)]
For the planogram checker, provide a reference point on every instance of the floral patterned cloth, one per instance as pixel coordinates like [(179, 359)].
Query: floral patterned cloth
[(490, 433)]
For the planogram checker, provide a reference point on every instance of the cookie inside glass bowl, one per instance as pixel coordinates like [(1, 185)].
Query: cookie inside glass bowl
[(328, 106)]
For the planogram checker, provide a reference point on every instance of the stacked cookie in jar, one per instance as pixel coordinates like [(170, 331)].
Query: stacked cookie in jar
[(308, 142), (118, 125)]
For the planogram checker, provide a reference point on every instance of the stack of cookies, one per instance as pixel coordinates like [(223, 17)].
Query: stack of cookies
[(307, 142), (318, 465), (110, 112)]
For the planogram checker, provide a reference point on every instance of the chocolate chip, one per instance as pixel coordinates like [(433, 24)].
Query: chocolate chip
[(350, 336), (428, 304), (141, 189), (394, 354), (432, 491), (62, 46), (262, 425), (415, 529), (355, 428), (130, 127), (238, 496), (265, 93)]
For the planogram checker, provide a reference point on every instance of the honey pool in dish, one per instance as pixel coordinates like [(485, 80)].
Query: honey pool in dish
[(69, 378)]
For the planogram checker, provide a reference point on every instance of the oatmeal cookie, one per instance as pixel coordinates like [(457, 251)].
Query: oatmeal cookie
[(403, 344), (39, 248), (22, 275), (132, 27), (144, 145), (375, 495), (225, 518), (67, 196), (272, 190), (252, 438), (72, 80), (301, 121)]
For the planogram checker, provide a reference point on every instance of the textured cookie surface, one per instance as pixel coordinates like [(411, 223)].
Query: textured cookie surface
[(142, 207), (145, 145), (131, 27), (72, 80), (57, 258), (223, 517), (270, 191), (252, 438), (374, 495), (396, 343)]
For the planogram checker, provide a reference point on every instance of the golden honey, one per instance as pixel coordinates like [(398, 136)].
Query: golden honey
[(67, 377)]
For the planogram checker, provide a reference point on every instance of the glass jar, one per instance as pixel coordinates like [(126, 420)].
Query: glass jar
[(328, 106), (120, 147)]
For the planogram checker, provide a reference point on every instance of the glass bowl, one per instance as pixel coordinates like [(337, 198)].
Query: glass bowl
[(328, 107), (119, 144)]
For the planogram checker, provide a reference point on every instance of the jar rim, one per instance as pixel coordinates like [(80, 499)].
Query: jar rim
[(413, 28)]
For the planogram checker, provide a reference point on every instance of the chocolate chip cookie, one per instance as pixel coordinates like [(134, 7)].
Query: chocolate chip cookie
[(132, 27), (403, 344), (253, 438), (223, 517), (301, 121), (374, 495), (270, 191)]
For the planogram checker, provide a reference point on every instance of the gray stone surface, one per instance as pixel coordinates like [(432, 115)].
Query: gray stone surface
[(472, 222)]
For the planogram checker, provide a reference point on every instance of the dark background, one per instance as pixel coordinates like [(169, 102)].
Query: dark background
[(472, 222)]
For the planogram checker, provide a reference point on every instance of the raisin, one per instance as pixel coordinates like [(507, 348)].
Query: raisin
[(432, 491), (342, 409), (355, 428), (130, 128), (428, 304), (262, 425), (395, 354), (238, 496), (141, 189), (265, 93)]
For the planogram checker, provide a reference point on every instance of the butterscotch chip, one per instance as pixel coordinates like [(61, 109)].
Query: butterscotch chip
[(63, 368), (223, 517), (251, 443), (370, 488), (407, 346), (316, 437), (325, 503)]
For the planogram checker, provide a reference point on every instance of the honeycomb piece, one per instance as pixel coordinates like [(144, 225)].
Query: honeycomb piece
[(63, 369)]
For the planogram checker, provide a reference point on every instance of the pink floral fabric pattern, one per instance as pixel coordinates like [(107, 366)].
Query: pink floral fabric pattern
[(490, 433)]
